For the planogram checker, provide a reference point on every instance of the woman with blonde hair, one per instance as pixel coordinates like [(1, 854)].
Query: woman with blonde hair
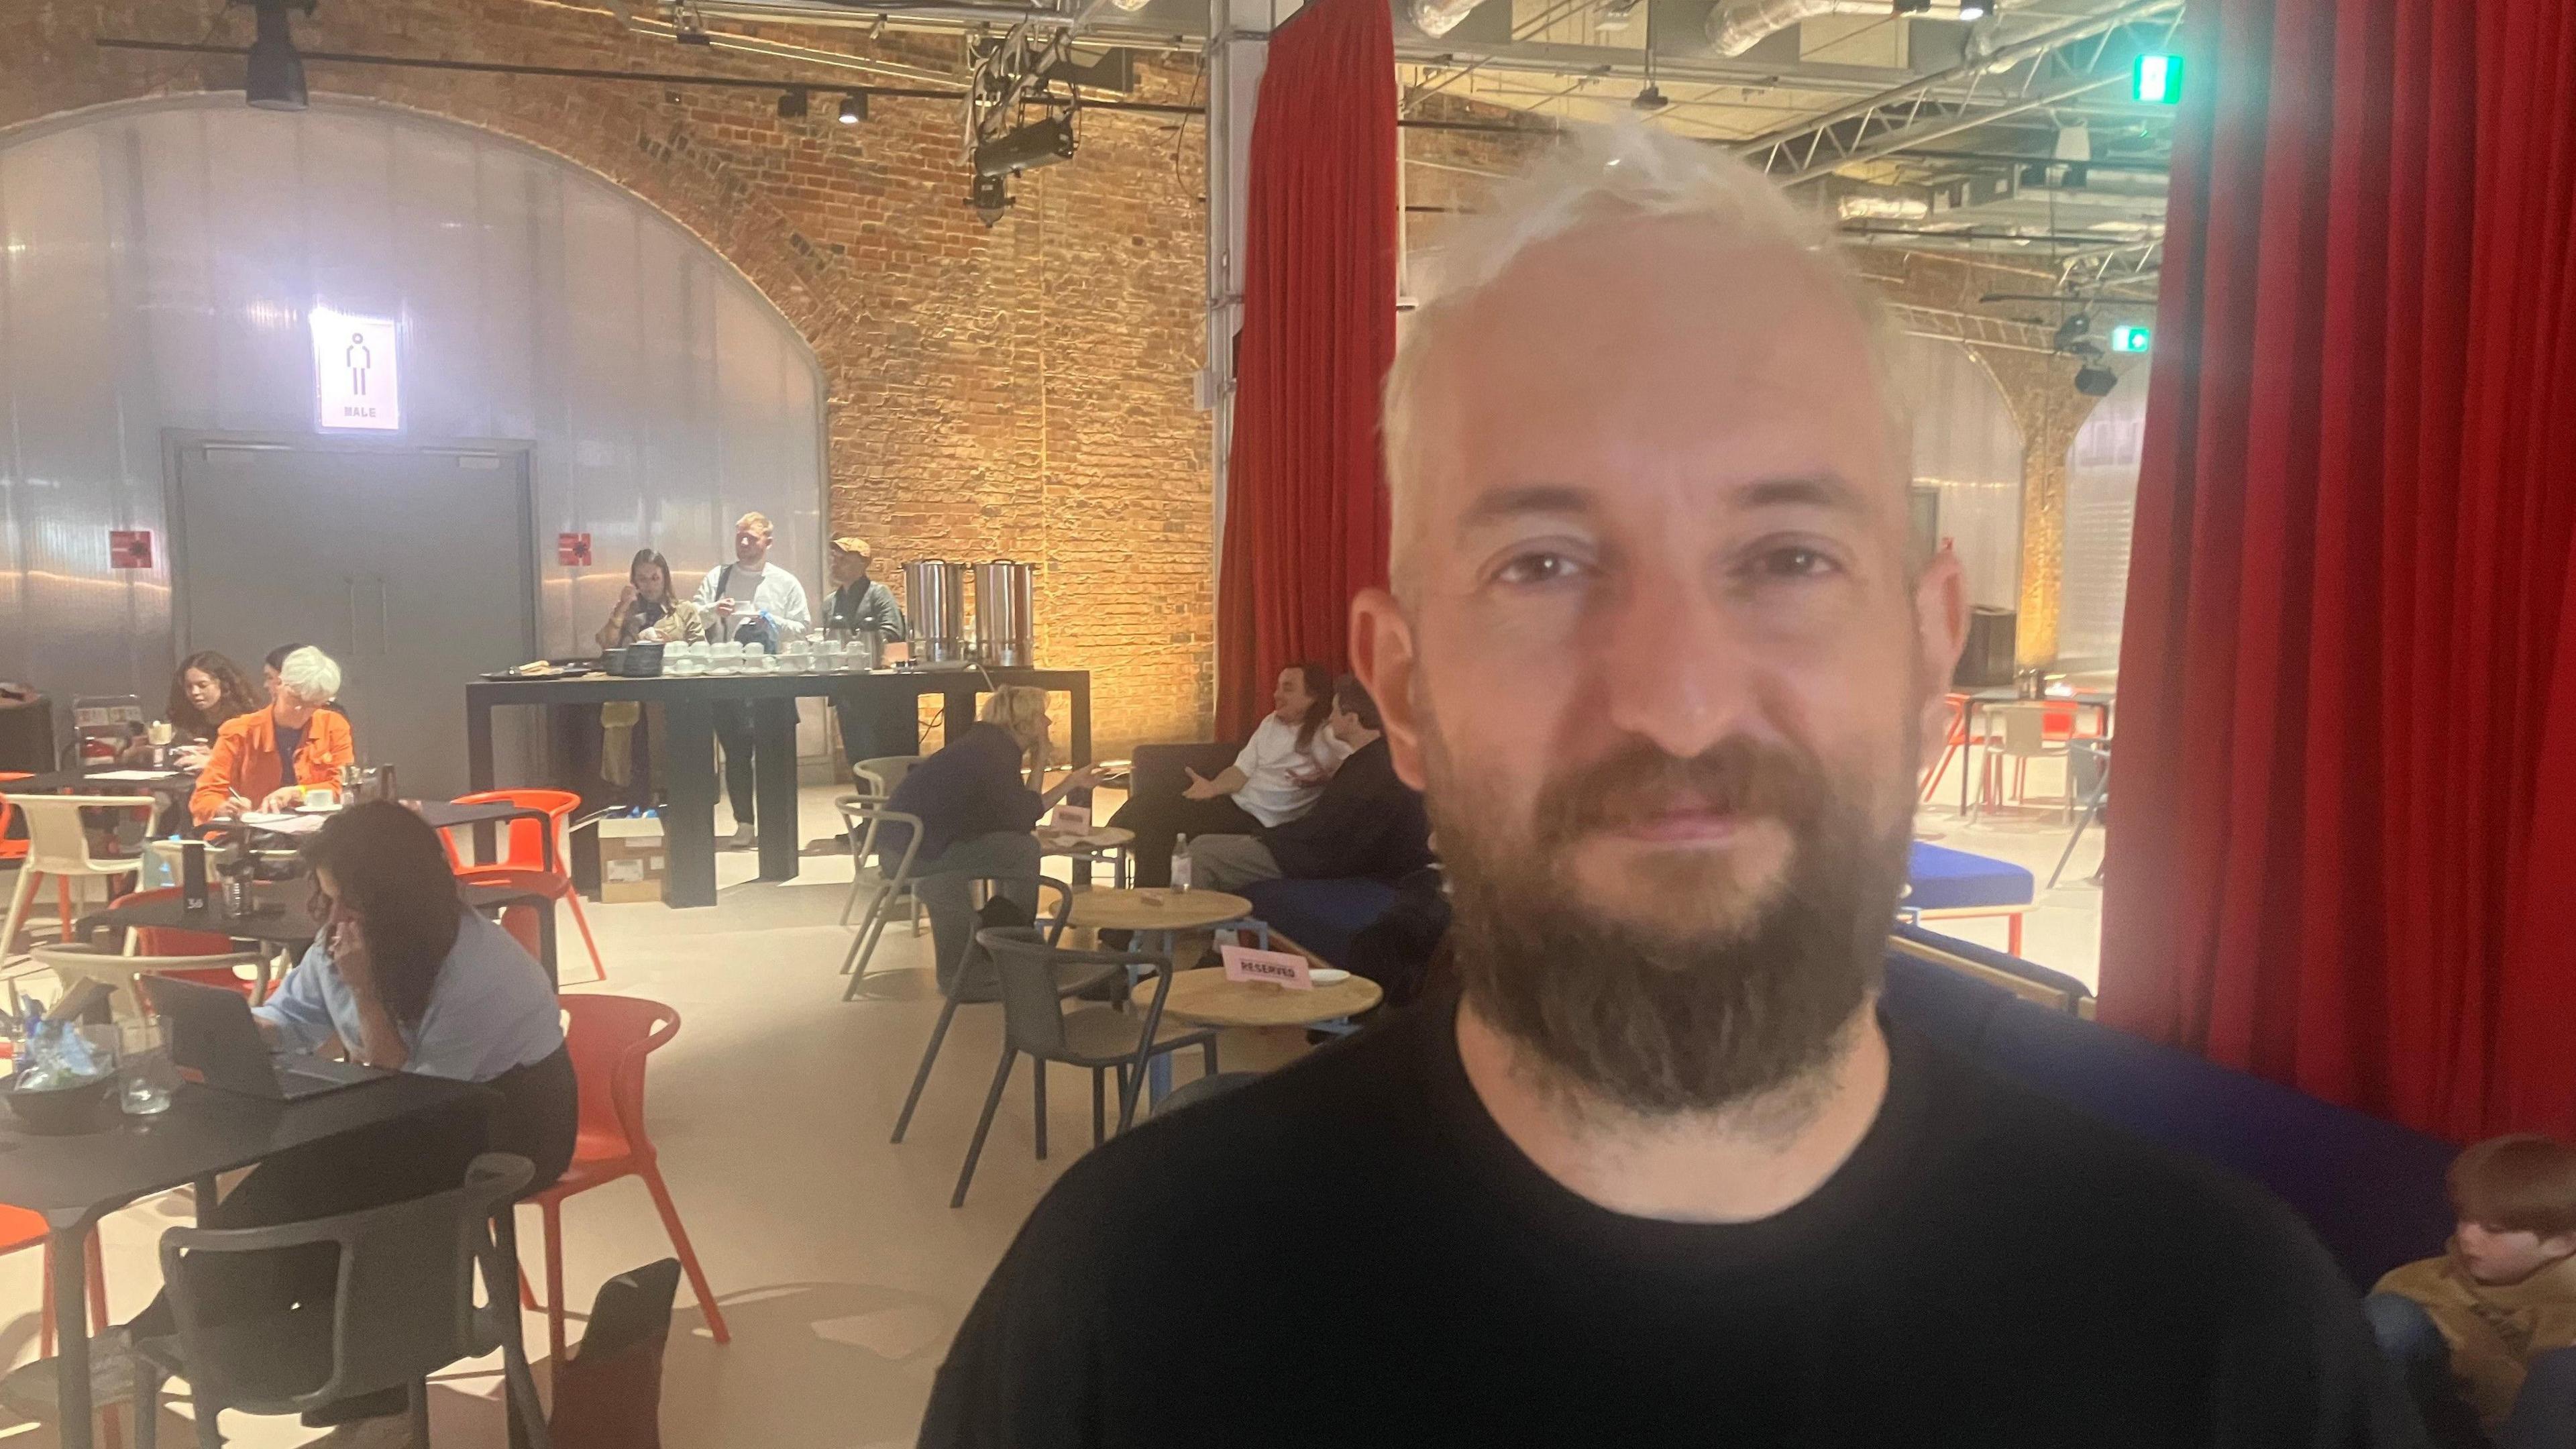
[(976, 811)]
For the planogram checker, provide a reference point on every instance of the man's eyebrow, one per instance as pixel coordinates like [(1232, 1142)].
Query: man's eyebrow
[(1821, 490), (1501, 503)]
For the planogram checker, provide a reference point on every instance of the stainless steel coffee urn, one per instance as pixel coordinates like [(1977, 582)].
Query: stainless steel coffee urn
[(1005, 612), (934, 598)]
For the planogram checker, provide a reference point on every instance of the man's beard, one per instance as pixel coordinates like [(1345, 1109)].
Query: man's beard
[(1728, 996)]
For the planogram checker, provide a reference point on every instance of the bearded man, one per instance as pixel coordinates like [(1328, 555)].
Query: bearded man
[(1656, 1171)]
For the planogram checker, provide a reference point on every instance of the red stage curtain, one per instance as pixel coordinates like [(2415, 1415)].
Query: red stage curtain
[(1305, 517), (2345, 844)]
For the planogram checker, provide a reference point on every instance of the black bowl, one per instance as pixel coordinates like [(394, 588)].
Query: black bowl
[(66, 1111)]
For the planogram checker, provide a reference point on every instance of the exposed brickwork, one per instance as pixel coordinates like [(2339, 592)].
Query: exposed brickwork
[(1022, 392)]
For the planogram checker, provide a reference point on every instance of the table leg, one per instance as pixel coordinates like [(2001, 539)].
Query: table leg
[(773, 732), (71, 1320), (546, 944), (478, 745), (1967, 750), (956, 714), (689, 820)]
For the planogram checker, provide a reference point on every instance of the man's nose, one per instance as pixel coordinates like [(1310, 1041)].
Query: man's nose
[(1675, 671)]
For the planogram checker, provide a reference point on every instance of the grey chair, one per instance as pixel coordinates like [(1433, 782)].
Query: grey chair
[(1215, 1084), (2088, 766), (1102, 1038), (974, 984), (866, 821), (404, 1308)]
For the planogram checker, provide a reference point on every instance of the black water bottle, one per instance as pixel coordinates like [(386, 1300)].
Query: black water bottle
[(192, 874)]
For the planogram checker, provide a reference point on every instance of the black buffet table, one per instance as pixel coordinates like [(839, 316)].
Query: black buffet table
[(688, 820)]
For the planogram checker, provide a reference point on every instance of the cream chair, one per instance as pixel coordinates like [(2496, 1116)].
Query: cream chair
[(58, 846), (75, 964)]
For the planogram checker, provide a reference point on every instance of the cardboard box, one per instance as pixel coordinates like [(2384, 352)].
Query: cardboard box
[(634, 865)]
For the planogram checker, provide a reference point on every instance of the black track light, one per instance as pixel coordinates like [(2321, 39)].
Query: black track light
[(793, 105), (854, 108)]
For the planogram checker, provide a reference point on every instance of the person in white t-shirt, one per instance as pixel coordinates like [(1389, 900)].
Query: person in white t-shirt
[(753, 600), (1278, 777)]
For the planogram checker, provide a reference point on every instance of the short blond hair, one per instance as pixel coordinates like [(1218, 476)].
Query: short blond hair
[(1020, 709), (1600, 175), (757, 522)]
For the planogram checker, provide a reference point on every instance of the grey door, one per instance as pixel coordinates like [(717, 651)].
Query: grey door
[(411, 568)]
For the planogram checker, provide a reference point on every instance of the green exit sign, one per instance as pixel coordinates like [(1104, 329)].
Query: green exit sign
[(2132, 338), (2157, 79)]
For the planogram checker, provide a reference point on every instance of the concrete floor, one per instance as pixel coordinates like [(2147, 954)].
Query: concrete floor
[(840, 1266)]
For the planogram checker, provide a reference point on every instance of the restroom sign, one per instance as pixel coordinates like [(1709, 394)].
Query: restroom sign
[(356, 379)]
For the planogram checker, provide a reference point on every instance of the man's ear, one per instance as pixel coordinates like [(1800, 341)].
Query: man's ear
[(1383, 658)]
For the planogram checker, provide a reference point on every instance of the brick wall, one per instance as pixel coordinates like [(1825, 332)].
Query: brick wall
[(1019, 392)]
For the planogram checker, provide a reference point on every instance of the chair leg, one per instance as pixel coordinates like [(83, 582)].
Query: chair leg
[(670, 1212), (147, 1404), (420, 1414), (28, 875), (2012, 935), (209, 1433), (582, 923), (2068, 853), (63, 905), (1037, 1082), (1207, 1055), (929, 1054), (527, 1291), (45, 1322), (552, 1211), (983, 1126), (1099, 1118), (97, 1268)]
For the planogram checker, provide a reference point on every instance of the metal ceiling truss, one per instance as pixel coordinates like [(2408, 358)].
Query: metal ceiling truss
[(2050, 69), (1973, 328), (2108, 269)]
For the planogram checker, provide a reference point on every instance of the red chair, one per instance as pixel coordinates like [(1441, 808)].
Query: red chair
[(21, 1229), (525, 853), (610, 1037)]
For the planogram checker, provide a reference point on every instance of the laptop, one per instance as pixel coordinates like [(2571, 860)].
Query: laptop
[(214, 1042)]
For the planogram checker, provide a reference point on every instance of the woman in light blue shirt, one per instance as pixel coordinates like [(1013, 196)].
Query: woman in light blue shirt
[(405, 978)]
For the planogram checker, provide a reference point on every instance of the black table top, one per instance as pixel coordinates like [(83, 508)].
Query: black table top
[(204, 1132), (595, 687), (281, 916), (88, 783)]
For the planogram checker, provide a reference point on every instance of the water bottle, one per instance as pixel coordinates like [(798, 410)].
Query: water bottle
[(1181, 863)]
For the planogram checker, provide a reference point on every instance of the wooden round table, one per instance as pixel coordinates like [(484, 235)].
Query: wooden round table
[(1163, 911), (1205, 998), (1100, 843)]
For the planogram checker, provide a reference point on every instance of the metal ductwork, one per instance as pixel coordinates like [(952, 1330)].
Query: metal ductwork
[(1439, 17), (1736, 26)]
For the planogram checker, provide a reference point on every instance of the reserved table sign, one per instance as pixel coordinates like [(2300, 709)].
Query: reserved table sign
[(1279, 968), (1071, 819)]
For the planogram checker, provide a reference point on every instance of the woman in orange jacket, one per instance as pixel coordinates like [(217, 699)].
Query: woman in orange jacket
[(264, 759)]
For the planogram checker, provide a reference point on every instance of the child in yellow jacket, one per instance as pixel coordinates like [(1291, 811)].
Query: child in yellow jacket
[(2486, 1333)]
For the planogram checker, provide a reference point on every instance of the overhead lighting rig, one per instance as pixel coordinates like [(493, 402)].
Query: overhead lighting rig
[(1022, 96)]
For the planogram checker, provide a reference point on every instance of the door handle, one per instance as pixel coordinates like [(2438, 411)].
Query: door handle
[(350, 582)]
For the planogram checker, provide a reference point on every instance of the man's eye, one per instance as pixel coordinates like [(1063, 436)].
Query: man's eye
[(1792, 561), (1536, 568)]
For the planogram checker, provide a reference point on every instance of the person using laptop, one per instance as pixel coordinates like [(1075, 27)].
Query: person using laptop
[(404, 978)]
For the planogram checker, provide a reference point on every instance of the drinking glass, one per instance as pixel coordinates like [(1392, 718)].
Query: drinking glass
[(145, 1077)]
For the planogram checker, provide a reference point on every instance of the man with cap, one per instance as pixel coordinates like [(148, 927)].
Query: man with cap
[(873, 722)]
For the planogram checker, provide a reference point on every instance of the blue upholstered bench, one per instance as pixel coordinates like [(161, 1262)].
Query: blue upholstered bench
[(1323, 916), (1946, 884), (2374, 1192)]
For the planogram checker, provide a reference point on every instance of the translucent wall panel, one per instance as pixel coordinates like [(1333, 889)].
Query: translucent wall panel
[(159, 265), (1968, 446), (2101, 501)]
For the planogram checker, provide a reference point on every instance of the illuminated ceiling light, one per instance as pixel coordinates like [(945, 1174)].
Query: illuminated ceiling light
[(275, 77), (854, 108), (1974, 9), (1131, 6)]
